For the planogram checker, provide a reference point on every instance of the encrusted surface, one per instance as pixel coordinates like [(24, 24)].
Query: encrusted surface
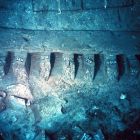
[(69, 69)]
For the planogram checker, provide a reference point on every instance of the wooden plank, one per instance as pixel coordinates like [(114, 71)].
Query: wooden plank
[(45, 5), (68, 67), (123, 19), (93, 4), (15, 5), (42, 63), (3, 56), (17, 68), (111, 68), (134, 66), (70, 41)]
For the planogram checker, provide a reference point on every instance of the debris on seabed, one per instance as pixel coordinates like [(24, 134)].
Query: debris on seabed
[(123, 96), (2, 106), (2, 94), (28, 103), (95, 107), (105, 4), (78, 91), (99, 135), (59, 7), (86, 137)]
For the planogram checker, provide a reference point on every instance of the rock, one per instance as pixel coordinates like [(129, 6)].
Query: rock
[(20, 90)]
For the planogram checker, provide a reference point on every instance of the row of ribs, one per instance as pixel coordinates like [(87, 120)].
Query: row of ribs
[(87, 67)]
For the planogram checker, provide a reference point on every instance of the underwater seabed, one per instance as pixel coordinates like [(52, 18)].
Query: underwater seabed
[(69, 111), (69, 70)]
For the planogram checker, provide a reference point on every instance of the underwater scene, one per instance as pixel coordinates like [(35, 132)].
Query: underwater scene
[(69, 69)]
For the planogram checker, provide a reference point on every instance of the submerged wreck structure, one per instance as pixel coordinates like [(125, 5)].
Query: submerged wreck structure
[(69, 69)]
